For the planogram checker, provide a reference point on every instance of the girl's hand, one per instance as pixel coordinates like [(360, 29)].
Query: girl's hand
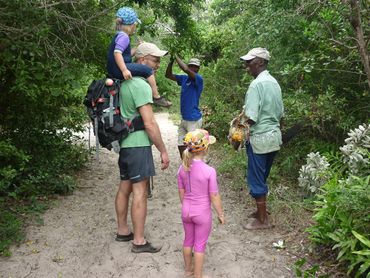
[(221, 219), (127, 74)]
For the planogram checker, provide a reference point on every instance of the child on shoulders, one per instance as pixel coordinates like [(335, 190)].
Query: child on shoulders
[(120, 65)]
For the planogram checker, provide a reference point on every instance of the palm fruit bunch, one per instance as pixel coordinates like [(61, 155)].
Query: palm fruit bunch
[(238, 131), (237, 134)]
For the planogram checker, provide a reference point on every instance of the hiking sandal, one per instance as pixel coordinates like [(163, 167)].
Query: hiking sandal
[(128, 237), (162, 101), (146, 248)]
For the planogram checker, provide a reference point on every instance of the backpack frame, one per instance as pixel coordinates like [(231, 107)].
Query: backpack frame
[(103, 107)]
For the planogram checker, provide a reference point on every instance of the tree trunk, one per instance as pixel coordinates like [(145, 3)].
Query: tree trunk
[(355, 19)]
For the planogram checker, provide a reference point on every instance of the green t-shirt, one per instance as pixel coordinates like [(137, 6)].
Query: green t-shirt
[(264, 105), (135, 93)]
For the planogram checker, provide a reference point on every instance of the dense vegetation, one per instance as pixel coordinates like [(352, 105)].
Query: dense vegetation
[(50, 51)]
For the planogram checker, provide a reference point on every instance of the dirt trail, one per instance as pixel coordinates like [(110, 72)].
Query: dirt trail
[(77, 238)]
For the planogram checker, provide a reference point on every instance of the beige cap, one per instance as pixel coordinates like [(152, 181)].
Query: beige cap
[(147, 48), (256, 52), (194, 61)]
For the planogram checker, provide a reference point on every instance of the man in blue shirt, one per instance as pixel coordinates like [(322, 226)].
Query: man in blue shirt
[(191, 90)]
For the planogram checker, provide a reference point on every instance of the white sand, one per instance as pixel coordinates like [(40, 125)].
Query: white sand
[(77, 238)]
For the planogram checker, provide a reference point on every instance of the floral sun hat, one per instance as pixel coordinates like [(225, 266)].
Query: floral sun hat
[(198, 140), (128, 16)]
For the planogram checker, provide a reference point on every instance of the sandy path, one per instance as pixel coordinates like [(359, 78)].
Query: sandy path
[(77, 238)]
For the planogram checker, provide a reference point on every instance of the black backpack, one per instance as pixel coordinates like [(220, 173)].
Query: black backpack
[(103, 108)]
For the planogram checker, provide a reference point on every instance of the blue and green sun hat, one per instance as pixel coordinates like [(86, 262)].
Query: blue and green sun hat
[(128, 16)]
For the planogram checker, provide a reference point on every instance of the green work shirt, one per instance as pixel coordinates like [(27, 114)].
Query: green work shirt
[(135, 93), (264, 105)]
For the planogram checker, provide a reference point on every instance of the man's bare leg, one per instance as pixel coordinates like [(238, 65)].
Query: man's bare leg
[(139, 210), (121, 204), (261, 222)]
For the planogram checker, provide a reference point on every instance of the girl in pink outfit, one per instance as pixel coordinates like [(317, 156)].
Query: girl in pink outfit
[(198, 188)]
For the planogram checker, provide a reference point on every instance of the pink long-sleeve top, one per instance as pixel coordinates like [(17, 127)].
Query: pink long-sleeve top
[(199, 182)]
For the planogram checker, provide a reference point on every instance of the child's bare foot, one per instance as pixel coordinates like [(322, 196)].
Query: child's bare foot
[(189, 273)]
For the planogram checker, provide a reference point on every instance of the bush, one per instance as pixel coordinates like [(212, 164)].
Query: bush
[(342, 207), (47, 170), (10, 227), (342, 213), (315, 173), (12, 163)]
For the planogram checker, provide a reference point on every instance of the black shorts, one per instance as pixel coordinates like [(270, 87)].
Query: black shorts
[(136, 164)]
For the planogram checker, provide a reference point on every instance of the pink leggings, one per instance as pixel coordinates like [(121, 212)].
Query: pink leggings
[(197, 230)]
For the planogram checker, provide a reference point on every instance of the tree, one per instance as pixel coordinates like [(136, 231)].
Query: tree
[(362, 41), (50, 50)]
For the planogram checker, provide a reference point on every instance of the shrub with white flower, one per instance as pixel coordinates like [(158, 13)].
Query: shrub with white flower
[(356, 151), (315, 173)]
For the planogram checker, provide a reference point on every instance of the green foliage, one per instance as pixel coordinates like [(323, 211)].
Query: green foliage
[(342, 213), (232, 165), (43, 172), (216, 122), (293, 154), (50, 51), (317, 62), (181, 30), (10, 227), (232, 159), (363, 255), (314, 58), (43, 49), (11, 220), (12, 163), (301, 270), (315, 173)]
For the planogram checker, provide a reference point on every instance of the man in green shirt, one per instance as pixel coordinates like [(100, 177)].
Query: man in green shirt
[(264, 110), (135, 159)]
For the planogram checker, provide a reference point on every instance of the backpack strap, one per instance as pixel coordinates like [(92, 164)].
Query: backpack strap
[(135, 123), (96, 138), (113, 102), (111, 109)]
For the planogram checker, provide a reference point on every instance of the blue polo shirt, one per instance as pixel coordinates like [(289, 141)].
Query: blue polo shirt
[(190, 95)]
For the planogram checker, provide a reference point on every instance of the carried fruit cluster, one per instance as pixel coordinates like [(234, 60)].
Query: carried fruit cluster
[(237, 134)]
